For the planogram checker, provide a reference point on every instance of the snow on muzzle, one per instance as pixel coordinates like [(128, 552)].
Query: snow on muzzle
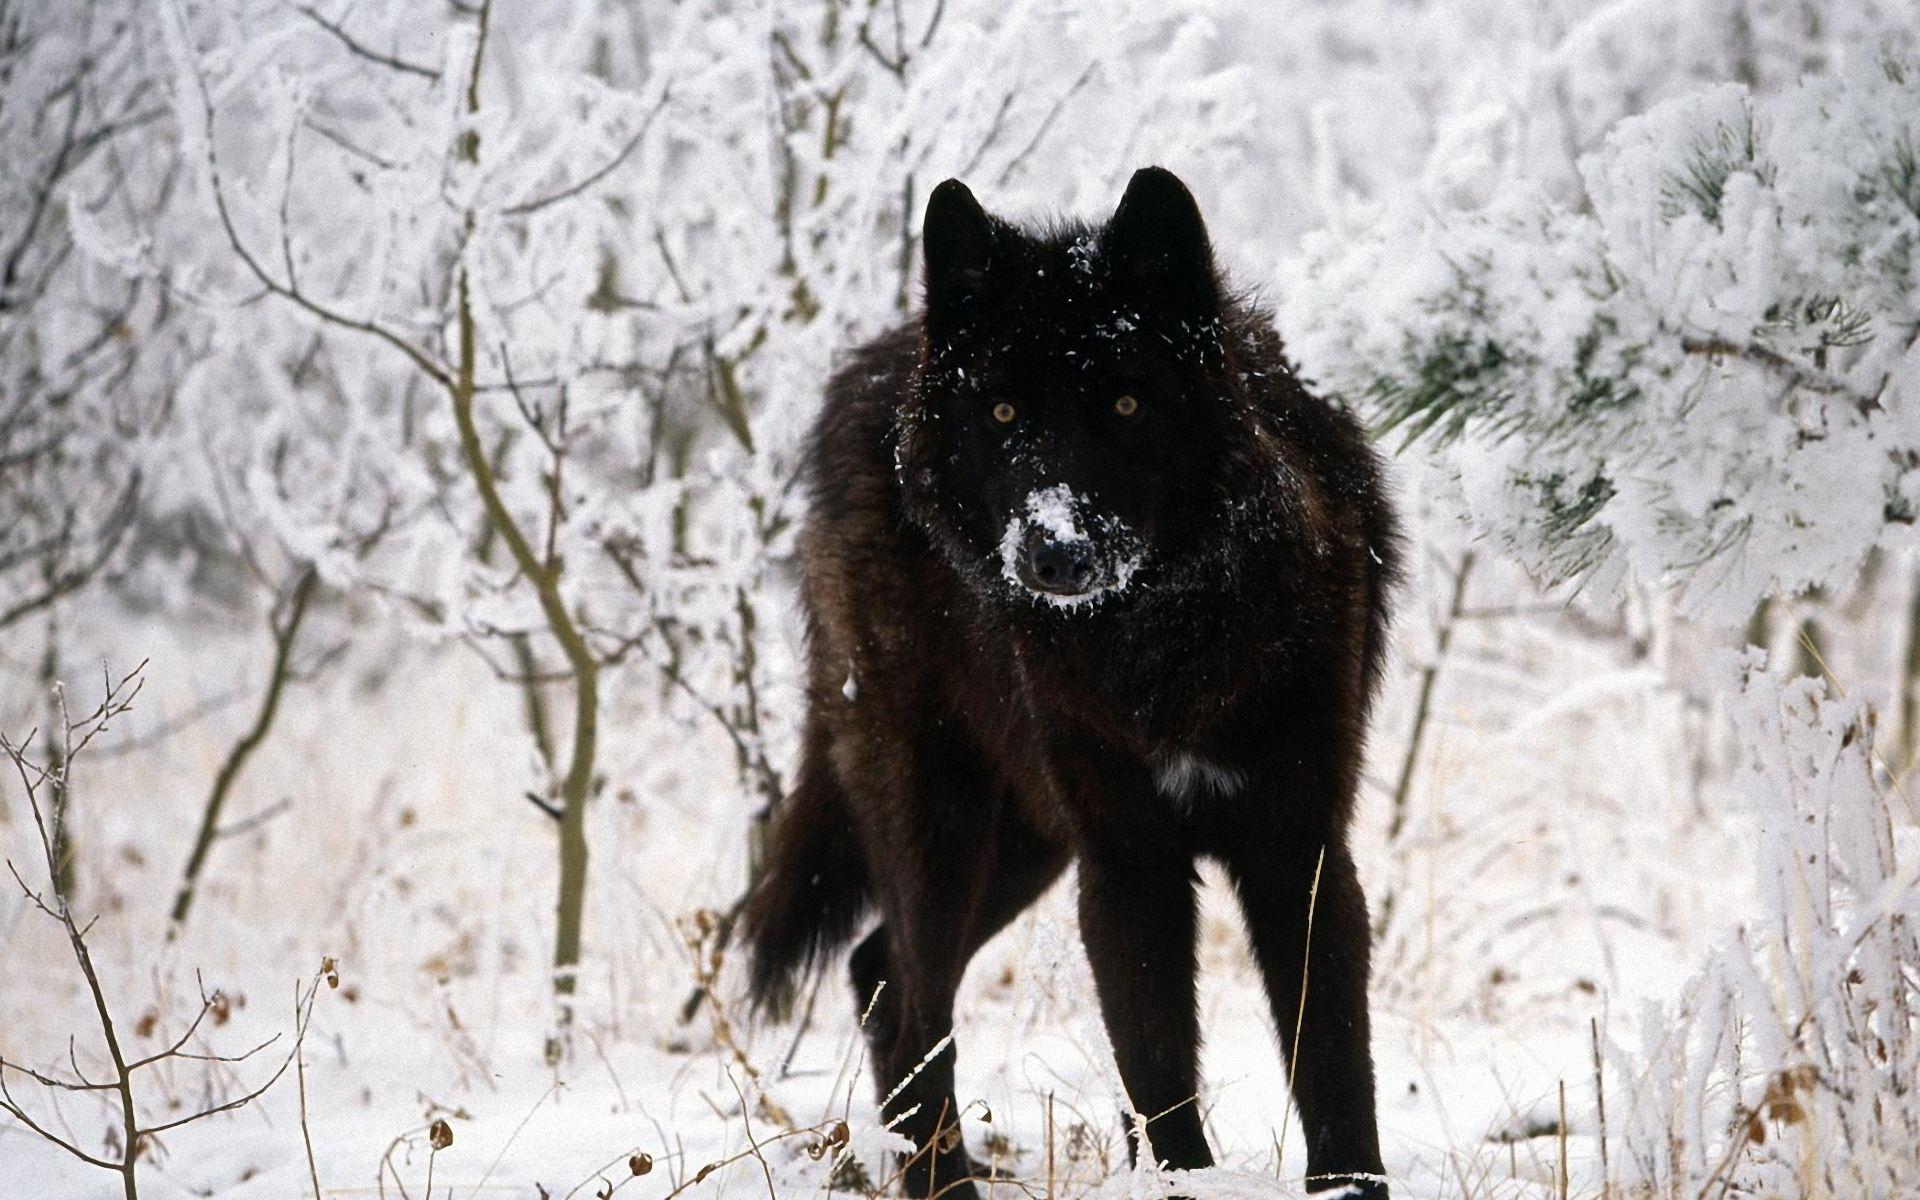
[(1056, 550)]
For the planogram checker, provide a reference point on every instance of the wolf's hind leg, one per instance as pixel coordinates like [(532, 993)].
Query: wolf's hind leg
[(920, 953)]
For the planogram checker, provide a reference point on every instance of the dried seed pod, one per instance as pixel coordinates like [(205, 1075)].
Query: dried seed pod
[(640, 1164), (440, 1134), (838, 1135)]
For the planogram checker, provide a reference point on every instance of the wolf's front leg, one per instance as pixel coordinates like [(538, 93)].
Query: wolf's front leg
[(1331, 1066), (908, 1005), (1137, 917)]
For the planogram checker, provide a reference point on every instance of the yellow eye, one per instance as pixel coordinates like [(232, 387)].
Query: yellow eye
[(1126, 406), (1003, 413)]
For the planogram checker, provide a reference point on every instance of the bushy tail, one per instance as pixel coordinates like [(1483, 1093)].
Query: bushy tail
[(812, 892)]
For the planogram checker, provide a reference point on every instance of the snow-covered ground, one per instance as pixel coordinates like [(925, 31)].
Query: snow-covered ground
[(1559, 868)]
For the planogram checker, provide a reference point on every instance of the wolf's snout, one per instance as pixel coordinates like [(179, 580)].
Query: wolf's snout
[(1060, 568), (1060, 549)]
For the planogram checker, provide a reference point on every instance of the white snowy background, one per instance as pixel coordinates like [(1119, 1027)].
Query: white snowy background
[(1636, 283)]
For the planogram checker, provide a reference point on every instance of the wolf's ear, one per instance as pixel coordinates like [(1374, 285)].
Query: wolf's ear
[(958, 239), (1157, 242)]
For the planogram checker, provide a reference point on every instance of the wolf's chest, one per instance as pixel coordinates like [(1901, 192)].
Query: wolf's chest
[(1187, 779)]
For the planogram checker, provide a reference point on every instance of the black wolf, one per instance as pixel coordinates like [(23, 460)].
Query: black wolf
[(1090, 577)]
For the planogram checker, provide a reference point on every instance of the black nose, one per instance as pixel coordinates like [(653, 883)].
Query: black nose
[(1063, 568)]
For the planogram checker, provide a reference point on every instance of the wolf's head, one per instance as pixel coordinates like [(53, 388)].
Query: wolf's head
[(1073, 404)]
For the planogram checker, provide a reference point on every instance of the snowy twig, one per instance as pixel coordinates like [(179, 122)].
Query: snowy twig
[(611, 165), (289, 290), (1805, 375)]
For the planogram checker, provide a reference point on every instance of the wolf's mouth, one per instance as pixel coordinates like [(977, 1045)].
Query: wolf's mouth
[(1046, 553)]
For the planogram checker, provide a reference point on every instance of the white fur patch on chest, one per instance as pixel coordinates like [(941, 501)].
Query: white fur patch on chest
[(1185, 778)]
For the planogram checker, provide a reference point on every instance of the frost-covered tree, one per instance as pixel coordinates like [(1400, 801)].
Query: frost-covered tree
[(1708, 379), (77, 341), (1702, 374), (513, 317)]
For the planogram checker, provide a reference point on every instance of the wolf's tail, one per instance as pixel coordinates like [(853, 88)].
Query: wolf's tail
[(813, 888)]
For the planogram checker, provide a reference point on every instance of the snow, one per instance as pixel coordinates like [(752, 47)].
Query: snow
[(408, 854)]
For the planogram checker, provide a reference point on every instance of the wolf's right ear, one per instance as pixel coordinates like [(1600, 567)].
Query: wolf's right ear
[(957, 238)]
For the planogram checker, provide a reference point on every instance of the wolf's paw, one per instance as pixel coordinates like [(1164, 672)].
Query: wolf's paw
[(1347, 1187), (951, 1176)]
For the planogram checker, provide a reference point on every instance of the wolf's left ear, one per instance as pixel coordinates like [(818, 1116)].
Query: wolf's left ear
[(1157, 242)]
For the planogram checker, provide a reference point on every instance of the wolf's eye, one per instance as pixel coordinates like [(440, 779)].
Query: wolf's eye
[(1004, 413), (1126, 406)]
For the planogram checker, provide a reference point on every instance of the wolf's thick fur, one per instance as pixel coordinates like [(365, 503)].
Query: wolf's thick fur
[(1048, 624)]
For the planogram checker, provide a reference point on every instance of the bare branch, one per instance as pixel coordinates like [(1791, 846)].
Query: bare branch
[(64, 582), (300, 1073), (246, 825), (118, 697), (1046, 123), (288, 291), (284, 634), (19, 1114), (299, 1036), (371, 55), (206, 1006), (243, 1056), (613, 164), (54, 1081)]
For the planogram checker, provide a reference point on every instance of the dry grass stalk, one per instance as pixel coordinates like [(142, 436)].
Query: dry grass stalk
[(1600, 1105), (1299, 1020)]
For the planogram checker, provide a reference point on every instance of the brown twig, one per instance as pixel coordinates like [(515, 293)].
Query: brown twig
[(1805, 375), (73, 738), (1562, 1131)]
